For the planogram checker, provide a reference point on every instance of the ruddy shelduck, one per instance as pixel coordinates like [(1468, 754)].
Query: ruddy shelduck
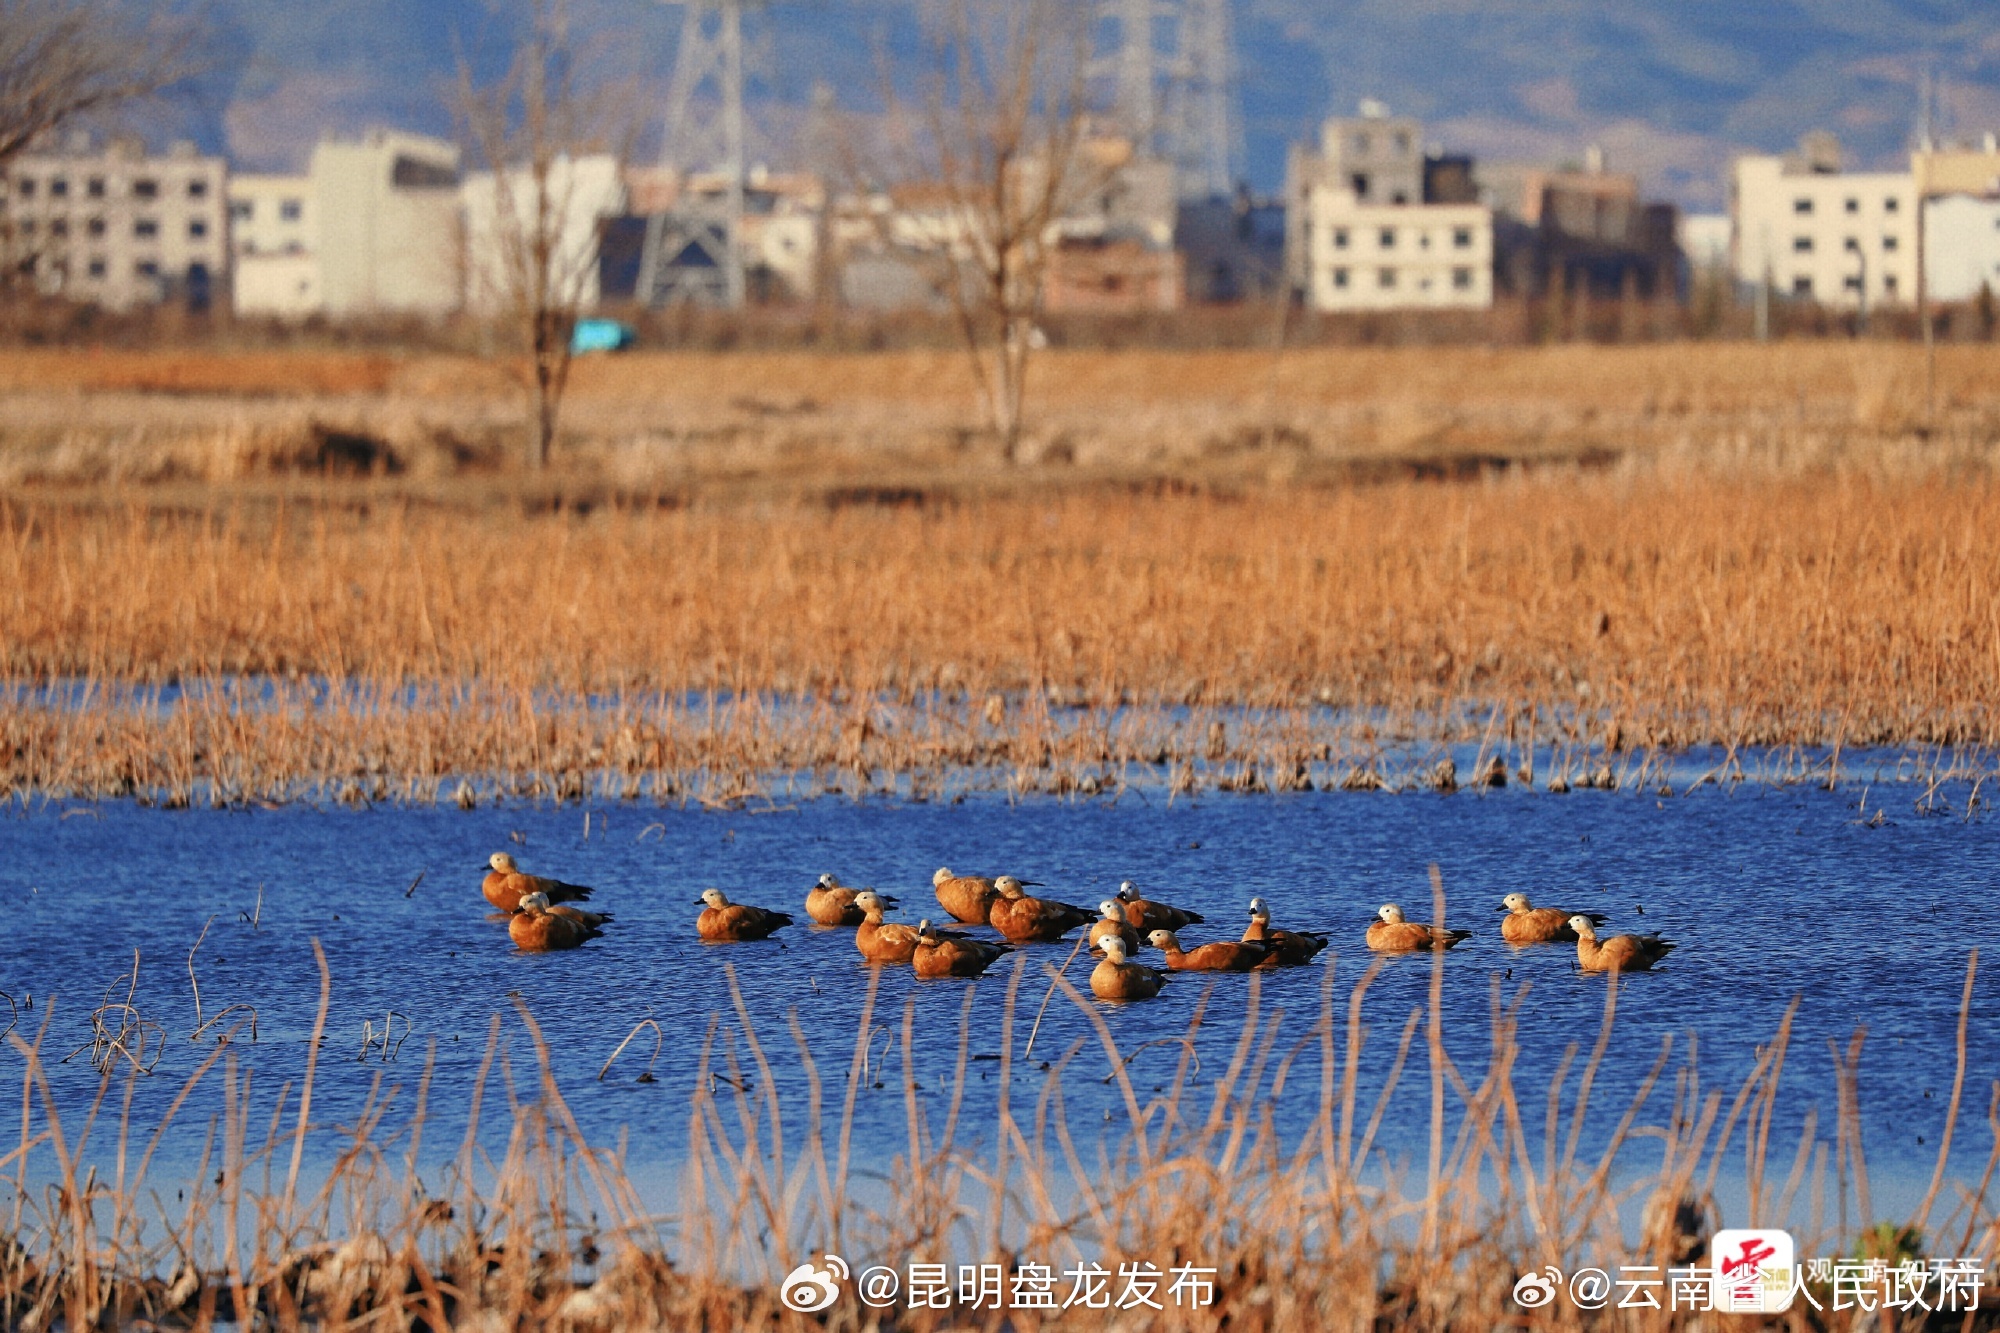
[(967, 897), (1392, 934), (723, 920), (1118, 978), (540, 926), (1147, 916), (882, 941), (1111, 921), (1216, 956), (505, 885), (1529, 924), (1023, 919), (1620, 953), (938, 956), (1289, 948), (831, 903)]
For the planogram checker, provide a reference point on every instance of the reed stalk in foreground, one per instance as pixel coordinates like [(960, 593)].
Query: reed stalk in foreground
[(531, 1225)]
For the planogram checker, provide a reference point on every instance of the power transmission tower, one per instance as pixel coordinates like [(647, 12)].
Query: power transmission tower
[(1180, 106), (1134, 68), (694, 252), (1206, 137)]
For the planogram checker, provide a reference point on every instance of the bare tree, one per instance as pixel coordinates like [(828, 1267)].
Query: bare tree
[(531, 249), (62, 60), (999, 132)]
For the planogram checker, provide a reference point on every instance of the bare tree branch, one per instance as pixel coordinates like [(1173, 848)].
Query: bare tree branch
[(999, 132), (61, 60), (531, 128)]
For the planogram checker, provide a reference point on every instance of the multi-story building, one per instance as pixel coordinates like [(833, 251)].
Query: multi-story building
[(371, 228), (116, 226), (1377, 157), (1962, 246), (388, 230), (273, 241), (1959, 185), (1817, 233), (1587, 229), (1389, 256), (580, 193)]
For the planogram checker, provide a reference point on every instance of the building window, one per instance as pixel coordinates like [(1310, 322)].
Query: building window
[(1402, 141), (1802, 286), (1461, 238), (1803, 207), (1399, 198), (291, 210), (1340, 278), (1385, 278), (1853, 246), (59, 227), (197, 228), (96, 268), (94, 187), (146, 229), (1888, 284), (25, 187), (145, 188), (240, 210), (1340, 238), (95, 226), (1802, 245), (1854, 205), (1388, 238), (146, 268), (1461, 279), (1891, 204), (1889, 245), (197, 189), (1360, 183), (58, 187)]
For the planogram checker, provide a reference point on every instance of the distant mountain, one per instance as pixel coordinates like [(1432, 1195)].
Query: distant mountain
[(1670, 90)]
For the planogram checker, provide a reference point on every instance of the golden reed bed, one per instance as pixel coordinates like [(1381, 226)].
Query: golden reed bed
[(1573, 612), (1647, 548)]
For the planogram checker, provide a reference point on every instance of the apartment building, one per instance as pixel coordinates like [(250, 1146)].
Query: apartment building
[(1377, 157), (274, 246), (1388, 256), (1817, 233), (117, 226)]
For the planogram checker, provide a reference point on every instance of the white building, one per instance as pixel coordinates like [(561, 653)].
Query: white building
[(1961, 246), (1704, 239), (274, 246), (1817, 233), (580, 193), (1387, 256), (388, 239), (371, 228), (118, 227)]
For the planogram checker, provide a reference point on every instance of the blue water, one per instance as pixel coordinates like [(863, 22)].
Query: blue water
[(1772, 893)]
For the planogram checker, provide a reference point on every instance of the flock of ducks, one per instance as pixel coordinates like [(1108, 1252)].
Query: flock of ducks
[(540, 918)]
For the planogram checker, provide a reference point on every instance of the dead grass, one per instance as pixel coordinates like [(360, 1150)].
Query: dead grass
[(1062, 641), (655, 422), (532, 1225), (785, 565)]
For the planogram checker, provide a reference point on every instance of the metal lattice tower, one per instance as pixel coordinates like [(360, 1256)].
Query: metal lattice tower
[(1206, 138), (695, 251), (1180, 104)]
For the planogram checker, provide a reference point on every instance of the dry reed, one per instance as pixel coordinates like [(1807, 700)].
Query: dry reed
[(1575, 626), (1322, 1228)]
